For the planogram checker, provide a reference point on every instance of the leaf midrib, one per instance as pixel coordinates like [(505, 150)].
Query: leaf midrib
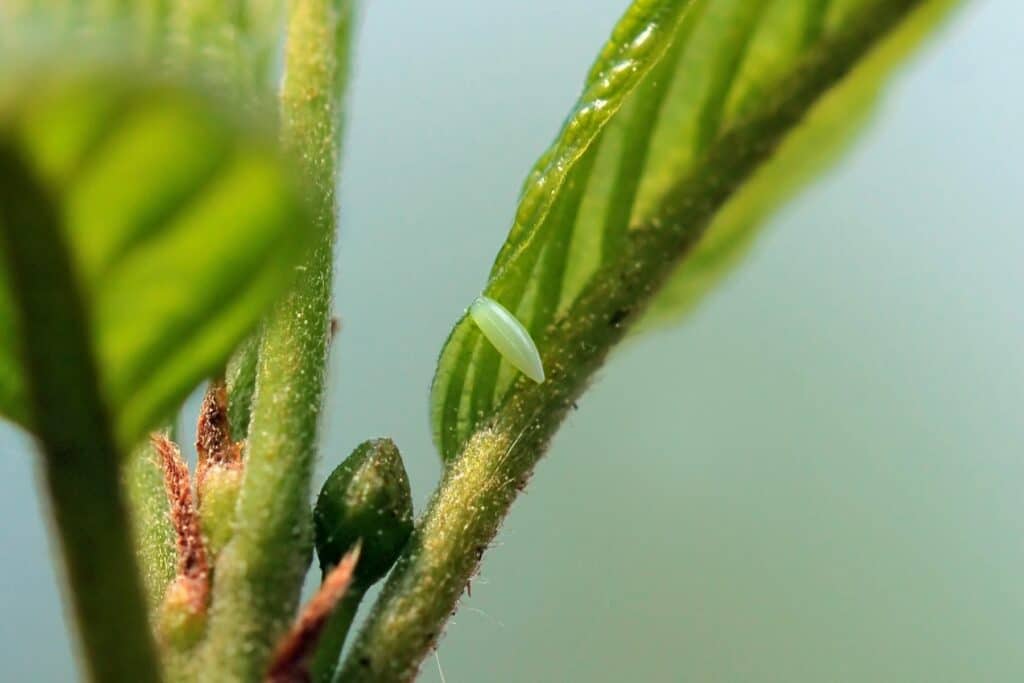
[(687, 208), (475, 384)]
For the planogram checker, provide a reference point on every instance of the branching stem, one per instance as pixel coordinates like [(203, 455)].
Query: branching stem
[(480, 485)]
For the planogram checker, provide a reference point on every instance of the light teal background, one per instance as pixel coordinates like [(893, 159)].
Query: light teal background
[(818, 478)]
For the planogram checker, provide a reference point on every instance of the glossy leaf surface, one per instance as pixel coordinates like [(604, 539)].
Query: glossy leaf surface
[(707, 73)]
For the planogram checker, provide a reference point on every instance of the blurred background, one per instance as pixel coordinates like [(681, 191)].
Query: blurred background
[(818, 477)]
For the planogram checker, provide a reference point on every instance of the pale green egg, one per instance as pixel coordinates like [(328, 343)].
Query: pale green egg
[(508, 336)]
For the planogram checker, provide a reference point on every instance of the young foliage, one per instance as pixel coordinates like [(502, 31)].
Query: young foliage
[(605, 220), (825, 133), (628, 156), (62, 399), (181, 225), (145, 231)]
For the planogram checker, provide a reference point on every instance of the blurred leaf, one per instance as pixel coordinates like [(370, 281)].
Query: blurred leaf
[(81, 458), (182, 224), (232, 42), (677, 80)]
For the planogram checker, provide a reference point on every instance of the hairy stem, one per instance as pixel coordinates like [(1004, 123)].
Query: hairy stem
[(259, 573), (240, 375), (143, 480), (81, 458), (106, 594), (332, 640), (480, 485)]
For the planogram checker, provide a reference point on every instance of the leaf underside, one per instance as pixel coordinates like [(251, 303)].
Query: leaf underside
[(676, 77), (182, 224)]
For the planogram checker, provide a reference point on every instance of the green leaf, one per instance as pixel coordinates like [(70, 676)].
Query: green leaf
[(232, 42), (827, 131), (182, 225), (81, 459), (648, 134)]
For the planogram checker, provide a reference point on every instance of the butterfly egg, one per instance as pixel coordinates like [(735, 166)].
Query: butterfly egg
[(508, 336)]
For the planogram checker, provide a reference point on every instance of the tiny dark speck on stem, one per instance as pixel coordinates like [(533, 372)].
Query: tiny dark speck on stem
[(618, 317)]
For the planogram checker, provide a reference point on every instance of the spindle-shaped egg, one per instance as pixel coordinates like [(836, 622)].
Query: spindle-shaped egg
[(508, 336)]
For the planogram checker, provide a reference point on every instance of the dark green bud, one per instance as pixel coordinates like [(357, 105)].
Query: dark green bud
[(365, 498)]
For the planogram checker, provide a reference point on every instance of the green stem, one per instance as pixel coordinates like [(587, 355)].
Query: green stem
[(80, 456), (480, 485), (240, 376), (106, 594), (260, 571), (152, 531), (332, 640)]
